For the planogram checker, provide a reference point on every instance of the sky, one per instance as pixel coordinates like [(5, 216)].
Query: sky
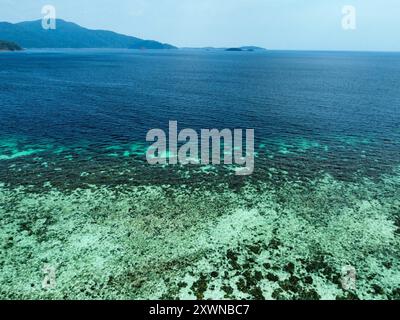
[(273, 24)]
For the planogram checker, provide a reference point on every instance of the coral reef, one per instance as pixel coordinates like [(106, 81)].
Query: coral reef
[(259, 241)]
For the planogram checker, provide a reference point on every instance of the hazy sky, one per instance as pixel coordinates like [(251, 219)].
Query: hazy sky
[(274, 24)]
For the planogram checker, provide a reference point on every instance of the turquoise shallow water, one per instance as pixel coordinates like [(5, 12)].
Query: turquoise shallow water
[(77, 195)]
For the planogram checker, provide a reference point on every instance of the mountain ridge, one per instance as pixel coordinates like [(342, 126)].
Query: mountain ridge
[(30, 34)]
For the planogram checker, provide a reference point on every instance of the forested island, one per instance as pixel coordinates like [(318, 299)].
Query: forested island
[(9, 46)]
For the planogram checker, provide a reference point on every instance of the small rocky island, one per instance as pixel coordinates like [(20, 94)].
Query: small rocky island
[(248, 48), (9, 46), (234, 49)]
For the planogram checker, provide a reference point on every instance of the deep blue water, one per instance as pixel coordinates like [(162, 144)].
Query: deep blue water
[(337, 112)]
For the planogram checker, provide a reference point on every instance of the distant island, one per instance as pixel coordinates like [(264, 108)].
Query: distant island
[(9, 46), (30, 34), (235, 49), (246, 49)]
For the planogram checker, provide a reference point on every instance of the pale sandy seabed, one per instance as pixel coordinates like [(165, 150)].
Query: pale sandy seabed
[(178, 242)]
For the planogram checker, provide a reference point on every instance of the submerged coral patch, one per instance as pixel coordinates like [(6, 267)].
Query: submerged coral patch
[(260, 241)]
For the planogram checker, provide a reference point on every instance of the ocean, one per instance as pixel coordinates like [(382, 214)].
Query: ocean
[(77, 196)]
